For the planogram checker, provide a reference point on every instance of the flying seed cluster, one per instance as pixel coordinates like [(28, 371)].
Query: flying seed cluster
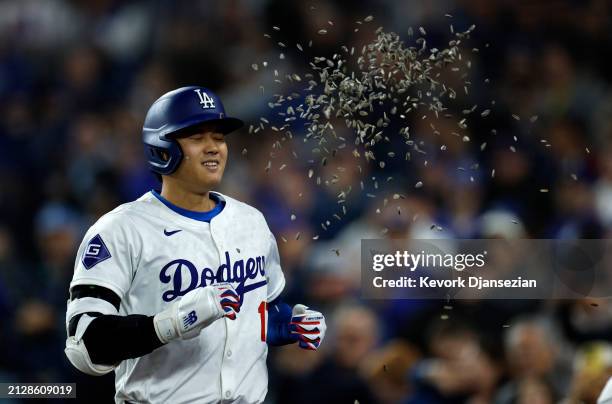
[(386, 74), (366, 89)]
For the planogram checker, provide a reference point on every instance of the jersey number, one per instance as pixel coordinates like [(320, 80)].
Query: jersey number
[(263, 307)]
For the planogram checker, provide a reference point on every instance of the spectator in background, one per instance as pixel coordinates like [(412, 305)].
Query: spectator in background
[(58, 231), (386, 371), (535, 357), (532, 391), (461, 368), (586, 320)]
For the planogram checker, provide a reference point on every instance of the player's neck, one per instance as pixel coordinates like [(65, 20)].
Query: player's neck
[(186, 199)]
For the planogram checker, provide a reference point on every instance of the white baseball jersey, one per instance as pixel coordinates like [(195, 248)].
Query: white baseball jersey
[(606, 394), (150, 252)]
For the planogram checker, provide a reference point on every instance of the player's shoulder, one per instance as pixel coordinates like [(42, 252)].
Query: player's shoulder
[(124, 214), (241, 208)]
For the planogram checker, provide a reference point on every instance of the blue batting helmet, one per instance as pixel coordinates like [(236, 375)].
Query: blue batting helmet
[(173, 112)]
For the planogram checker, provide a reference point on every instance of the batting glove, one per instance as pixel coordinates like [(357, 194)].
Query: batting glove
[(229, 299), (309, 326), (196, 310)]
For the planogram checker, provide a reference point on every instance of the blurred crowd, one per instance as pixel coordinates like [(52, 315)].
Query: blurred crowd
[(77, 76)]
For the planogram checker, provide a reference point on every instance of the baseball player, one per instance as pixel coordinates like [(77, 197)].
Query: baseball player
[(178, 291)]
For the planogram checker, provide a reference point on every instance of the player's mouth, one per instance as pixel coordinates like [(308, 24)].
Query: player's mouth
[(212, 165)]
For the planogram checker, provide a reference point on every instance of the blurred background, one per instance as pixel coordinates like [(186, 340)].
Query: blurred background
[(77, 76)]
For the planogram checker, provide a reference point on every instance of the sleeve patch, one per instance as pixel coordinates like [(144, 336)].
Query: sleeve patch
[(95, 252)]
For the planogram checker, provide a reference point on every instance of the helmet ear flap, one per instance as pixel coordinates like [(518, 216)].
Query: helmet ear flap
[(162, 154), (164, 160)]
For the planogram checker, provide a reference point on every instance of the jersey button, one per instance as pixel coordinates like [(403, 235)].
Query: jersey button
[(228, 394), (229, 353)]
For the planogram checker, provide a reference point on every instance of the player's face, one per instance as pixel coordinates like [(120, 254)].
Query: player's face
[(204, 159)]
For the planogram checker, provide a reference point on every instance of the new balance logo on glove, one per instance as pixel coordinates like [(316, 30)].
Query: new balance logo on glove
[(189, 319)]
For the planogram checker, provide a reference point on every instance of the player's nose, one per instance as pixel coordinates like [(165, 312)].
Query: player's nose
[(210, 145), (211, 149)]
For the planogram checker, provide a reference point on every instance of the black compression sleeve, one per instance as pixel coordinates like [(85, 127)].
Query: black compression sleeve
[(96, 291), (111, 339)]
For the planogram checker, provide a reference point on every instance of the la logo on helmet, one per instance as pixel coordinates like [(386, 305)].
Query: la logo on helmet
[(205, 100)]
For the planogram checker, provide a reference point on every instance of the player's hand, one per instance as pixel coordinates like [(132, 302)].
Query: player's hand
[(309, 326), (229, 299), (196, 310)]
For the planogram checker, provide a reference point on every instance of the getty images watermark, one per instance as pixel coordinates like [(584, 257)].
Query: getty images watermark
[(486, 269), (437, 261)]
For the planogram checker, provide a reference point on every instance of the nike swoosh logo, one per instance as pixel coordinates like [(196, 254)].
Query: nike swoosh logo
[(169, 233)]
